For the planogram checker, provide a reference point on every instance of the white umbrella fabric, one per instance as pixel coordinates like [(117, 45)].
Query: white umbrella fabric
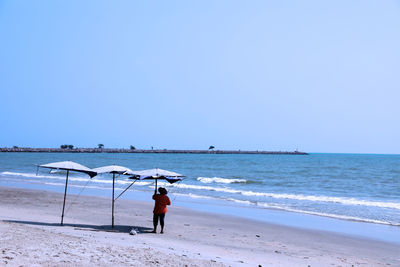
[(68, 166), (156, 174), (114, 169)]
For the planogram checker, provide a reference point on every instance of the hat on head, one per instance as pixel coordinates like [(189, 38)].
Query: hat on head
[(162, 191)]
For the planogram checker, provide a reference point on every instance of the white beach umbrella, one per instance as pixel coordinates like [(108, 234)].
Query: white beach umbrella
[(155, 174), (68, 166), (114, 169)]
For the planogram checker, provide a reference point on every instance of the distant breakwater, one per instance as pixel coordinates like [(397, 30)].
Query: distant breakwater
[(122, 150)]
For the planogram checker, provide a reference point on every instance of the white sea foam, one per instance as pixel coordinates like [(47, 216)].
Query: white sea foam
[(121, 181), (81, 186), (336, 216), (340, 200), (193, 196), (206, 187), (58, 184), (208, 180), (246, 202), (30, 175)]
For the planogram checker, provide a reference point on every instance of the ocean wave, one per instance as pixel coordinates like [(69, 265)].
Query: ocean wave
[(208, 180), (29, 175), (86, 187), (300, 197), (323, 214), (339, 200), (285, 208), (124, 181), (246, 202), (193, 196)]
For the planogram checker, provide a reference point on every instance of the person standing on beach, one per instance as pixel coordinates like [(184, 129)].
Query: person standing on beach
[(160, 208)]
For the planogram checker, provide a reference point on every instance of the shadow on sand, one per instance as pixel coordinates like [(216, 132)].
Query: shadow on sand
[(88, 227)]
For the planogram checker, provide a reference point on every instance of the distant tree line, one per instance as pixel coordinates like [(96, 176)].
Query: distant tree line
[(101, 146)]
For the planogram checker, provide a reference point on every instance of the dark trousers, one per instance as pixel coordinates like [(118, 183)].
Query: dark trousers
[(155, 219)]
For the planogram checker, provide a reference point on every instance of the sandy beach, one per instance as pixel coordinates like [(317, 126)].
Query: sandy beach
[(30, 235)]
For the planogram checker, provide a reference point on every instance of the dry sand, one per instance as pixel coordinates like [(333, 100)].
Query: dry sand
[(30, 235)]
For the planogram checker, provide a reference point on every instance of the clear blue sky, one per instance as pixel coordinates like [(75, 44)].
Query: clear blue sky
[(320, 76)]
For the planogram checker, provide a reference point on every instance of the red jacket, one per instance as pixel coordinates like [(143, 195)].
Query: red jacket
[(161, 203)]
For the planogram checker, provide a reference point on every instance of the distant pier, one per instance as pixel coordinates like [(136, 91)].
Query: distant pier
[(156, 151)]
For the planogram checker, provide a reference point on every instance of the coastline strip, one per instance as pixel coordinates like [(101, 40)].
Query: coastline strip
[(155, 151)]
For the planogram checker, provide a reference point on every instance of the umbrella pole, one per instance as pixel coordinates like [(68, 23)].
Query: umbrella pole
[(112, 219), (65, 196), (155, 190)]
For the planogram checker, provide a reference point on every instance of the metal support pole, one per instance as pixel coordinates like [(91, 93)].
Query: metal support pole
[(65, 196), (125, 189), (113, 201), (155, 190)]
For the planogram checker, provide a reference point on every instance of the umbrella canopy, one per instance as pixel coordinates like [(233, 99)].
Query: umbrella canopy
[(114, 169), (68, 166), (156, 174)]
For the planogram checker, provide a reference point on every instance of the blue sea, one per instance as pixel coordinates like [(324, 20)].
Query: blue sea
[(327, 188)]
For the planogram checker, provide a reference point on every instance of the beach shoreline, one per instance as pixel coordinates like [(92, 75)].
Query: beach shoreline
[(246, 210), (192, 238)]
